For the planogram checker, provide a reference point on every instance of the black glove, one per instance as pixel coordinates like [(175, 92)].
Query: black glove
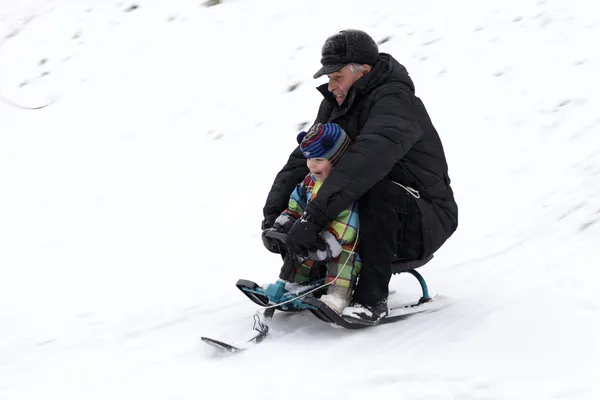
[(268, 221), (282, 224), (270, 244), (303, 237)]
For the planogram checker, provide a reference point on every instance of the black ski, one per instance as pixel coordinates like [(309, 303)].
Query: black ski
[(231, 348), (260, 326), (221, 345)]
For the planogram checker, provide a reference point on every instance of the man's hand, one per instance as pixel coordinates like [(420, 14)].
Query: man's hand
[(303, 237), (273, 245), (268, 221), (282, 224)]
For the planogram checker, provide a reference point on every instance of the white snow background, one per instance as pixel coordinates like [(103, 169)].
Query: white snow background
[(131, 203)]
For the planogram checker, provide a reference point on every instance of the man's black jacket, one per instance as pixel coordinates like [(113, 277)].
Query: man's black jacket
[(393, 138)]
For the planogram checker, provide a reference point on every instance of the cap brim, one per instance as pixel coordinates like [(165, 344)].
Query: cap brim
[(328, 69)]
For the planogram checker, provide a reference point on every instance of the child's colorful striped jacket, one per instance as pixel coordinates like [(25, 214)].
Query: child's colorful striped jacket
[(344, 228)]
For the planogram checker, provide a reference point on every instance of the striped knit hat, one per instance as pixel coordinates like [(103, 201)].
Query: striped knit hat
[(328, 141)]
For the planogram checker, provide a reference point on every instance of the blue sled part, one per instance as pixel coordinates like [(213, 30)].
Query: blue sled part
[(277, 294), (423, 284), (275, 291), (410, 267)]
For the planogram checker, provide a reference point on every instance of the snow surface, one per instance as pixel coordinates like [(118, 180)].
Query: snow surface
[(131, 204)]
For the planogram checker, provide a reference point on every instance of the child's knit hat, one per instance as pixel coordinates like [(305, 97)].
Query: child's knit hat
[(328, 141)]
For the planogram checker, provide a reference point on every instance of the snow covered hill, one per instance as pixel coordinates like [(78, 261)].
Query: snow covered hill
[(130, 202)]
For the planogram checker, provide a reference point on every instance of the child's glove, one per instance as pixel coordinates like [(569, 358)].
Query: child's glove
[(334, 248), (283, 223)]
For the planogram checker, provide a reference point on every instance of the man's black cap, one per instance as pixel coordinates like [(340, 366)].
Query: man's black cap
[(345, 47)]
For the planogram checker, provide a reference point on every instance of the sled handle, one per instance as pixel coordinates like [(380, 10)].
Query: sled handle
[(275, 235), (289, 257)]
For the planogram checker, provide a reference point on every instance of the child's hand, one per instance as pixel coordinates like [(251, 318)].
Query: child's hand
[(332, 250), (283, 223)]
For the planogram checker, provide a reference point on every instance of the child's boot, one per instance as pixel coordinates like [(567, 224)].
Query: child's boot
[(337, 298)]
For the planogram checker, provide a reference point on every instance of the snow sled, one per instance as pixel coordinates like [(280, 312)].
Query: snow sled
[(276, 296)]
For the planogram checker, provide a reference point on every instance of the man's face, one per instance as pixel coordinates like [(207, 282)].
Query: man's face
[(341, 81), (319, 167)]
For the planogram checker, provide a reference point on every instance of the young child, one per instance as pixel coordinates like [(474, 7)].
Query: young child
[(323, 146)]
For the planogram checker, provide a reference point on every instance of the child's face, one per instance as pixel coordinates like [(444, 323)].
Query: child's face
[(319, 167)]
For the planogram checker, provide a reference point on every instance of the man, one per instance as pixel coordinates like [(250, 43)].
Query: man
[(396, 169)]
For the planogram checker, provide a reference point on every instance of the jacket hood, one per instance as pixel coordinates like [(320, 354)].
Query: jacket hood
[(387, 70)]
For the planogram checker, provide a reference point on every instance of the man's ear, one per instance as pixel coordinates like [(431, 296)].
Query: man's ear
[(367, 68)]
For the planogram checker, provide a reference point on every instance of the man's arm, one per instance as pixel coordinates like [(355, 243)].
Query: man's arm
[(389, 133)]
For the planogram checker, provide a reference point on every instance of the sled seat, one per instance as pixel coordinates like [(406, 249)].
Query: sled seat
[(400, 266), (406, 265)]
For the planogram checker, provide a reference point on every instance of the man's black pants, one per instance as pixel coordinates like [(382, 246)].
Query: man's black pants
[(390, 229)]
